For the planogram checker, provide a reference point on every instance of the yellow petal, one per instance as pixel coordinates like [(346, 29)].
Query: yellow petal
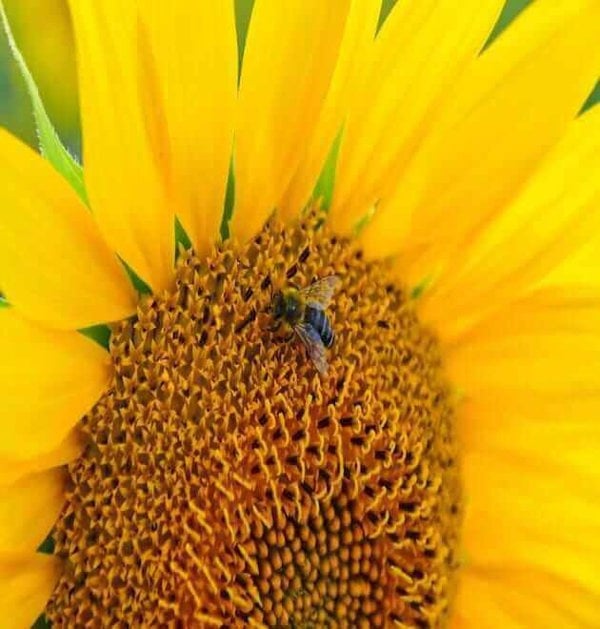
[(514, 417), (29, 508), (70, 448), (541, 343), (582, 267), (516, 597), (528, 426), (549, 309), (48, 380), (536, 359), (359, 33), (422, 48), (506, 112), (26, 582), (530, 439), (555, 212), (522, 513), (123, 171), (195, 51), (55, 266), (289, 59), (476, 605)]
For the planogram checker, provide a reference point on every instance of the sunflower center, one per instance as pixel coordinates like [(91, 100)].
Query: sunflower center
[(228, 483)]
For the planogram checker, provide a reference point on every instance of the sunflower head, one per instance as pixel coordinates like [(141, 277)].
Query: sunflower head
[(234, 484), (389, 457)]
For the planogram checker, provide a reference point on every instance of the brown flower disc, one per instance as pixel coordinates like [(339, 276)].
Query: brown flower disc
[(228, 484)]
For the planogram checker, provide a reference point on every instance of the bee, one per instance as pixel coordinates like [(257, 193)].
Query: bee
[(304, 311)]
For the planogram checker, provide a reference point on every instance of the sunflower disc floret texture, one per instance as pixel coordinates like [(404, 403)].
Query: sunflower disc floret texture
[(227, 484)]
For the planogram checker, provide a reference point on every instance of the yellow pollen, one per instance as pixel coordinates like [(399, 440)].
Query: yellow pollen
[(228, 484)]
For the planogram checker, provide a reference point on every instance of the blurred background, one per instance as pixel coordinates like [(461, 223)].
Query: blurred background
[(42, 30)]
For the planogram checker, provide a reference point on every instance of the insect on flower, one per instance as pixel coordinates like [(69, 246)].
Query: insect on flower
[(303, 310)]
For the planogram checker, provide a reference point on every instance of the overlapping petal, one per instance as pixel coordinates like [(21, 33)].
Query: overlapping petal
[(581, 267), (505, 113), (551, 217), (418, 55), (357, 42), (531, 385), (29, 508), (55, 266), (516, 597), (289, 59), (122, 147), (26, 582), (528, 343), (14, 468), (195, 52), (527, 515), (48, 380)]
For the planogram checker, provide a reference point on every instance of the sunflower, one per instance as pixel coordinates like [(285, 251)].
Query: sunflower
[(196, 469)]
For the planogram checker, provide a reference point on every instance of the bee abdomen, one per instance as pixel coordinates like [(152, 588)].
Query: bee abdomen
[(327, 334), (319, 321)]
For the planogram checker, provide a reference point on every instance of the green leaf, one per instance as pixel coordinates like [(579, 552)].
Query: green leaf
[(229, 203), (99, 333), (50, 145), (386, 9), (41, 623), (593, 98), (47, 546), (324, 187), (181, 237), (243, 11), (138, 283), (512, 9)]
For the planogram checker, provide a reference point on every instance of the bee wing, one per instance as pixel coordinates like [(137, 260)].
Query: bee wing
[(314, 345), (319, 294)]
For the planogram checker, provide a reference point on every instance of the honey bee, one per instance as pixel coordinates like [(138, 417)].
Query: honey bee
[(304, 311)]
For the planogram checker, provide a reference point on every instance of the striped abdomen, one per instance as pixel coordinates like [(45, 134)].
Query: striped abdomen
[(319, 321)]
